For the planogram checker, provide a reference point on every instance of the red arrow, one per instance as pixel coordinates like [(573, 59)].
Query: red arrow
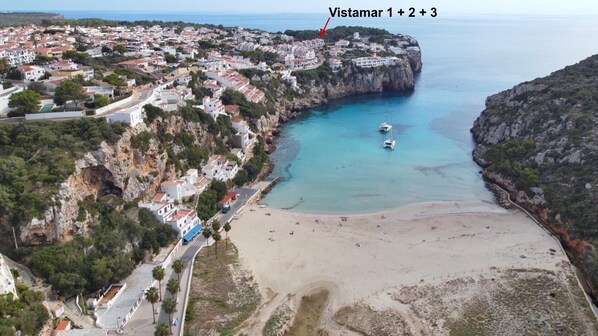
[(323, 30)]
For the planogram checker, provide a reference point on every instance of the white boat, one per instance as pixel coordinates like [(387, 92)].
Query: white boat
[(389, 143), (384, 127)]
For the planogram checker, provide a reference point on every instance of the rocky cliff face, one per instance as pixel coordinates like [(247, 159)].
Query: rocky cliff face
[(119, 169), (539, 142), (353, 80)]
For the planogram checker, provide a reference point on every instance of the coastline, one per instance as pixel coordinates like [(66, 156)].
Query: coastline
[(367, 257)]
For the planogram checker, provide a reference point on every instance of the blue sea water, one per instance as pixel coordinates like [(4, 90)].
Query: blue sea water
[(331, 159)]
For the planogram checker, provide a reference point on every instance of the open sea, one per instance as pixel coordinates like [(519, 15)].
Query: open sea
[(331, 160)]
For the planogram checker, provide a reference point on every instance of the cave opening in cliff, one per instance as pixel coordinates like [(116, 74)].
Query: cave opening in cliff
[(102, 180)]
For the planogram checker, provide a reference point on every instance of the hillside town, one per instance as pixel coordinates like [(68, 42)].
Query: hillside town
[(121, 73)]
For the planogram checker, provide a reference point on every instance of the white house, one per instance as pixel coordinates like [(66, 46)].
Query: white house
[(131, 116), (185, 221), (335, 63), (231, 169), (182, 188), (32, 72), (213, 106), (241, 140), (215, 168), (91, 91)]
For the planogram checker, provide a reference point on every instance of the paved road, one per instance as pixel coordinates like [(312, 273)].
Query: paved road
[(138, 97), (141, 323)]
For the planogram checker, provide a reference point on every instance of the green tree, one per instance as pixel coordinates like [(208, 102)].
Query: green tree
[(227, 228), (207, 233), (114, 79), (170, 58), (100, 101), (152, 296), (178, 266), (173, 287), (14, 73), (100, 272), (4, 66), (169, 307), (119, 48), (37, 87), (216, 234), (158, 273), (69, 90), (162, 330), (23, 102)]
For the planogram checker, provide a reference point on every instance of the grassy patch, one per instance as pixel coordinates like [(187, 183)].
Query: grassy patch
[(223, 294)]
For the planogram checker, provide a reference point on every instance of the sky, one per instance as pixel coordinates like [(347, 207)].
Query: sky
[(448, 7)]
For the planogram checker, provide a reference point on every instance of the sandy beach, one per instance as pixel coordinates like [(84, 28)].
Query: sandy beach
[(362, 259)]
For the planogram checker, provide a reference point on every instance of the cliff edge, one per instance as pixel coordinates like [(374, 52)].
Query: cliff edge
[(539, 142)]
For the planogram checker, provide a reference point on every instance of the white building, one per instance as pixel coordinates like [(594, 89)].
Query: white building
[(369, 62), (91, 91), (182, 188), (17, 56), (213, 106), (335, 63), (300, 63), (185, 221), (7, 281), (131, 116), (231, 168), (218, 168), (240, 125), (32, 72)]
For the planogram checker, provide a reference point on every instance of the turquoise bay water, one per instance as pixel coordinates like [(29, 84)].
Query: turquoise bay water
[(331, 159)]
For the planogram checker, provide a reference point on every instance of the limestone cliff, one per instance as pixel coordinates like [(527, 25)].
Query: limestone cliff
[(539, 142), (118, 169)]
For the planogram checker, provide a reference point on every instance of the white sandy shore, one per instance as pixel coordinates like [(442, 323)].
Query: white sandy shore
[(361, 258)]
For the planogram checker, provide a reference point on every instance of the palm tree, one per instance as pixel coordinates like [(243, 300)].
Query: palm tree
[(152, 295), (207, 233), (178, 267), (227, 228), (161, 330), (169, 307), (216, 235), (173, 287), (158, 274)]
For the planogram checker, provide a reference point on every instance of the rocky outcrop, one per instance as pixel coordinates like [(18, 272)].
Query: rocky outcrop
[(113, 169), (539, 142)]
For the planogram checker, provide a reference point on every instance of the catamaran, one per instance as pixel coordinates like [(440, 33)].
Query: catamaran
[(389, 143), (384, 127)]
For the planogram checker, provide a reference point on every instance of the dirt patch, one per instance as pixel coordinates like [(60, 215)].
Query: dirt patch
[(223, 295), (368, 322), (510, 302), (307, 319)]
